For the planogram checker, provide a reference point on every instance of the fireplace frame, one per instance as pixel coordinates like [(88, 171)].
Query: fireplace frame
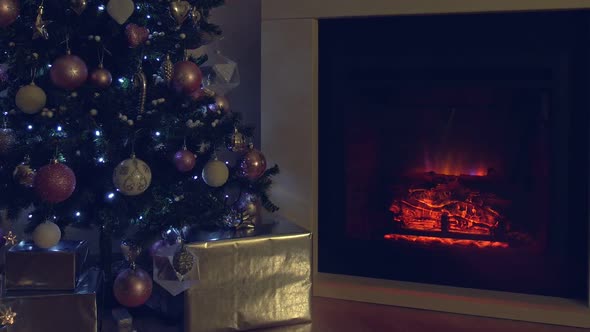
[(290, 138)]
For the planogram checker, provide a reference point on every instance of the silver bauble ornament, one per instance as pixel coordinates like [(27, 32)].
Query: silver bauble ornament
[(46, 235)]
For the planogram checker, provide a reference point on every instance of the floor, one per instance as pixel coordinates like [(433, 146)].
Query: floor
[(343, 316)]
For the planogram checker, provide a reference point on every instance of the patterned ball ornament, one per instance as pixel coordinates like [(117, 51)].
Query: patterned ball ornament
[(7, 140), (132, 176), (46, 235), (215, 173), (68, 72), (185, 160), (9, 11), (55, 183), (186, 77), (30, 99), (133, 287), (253, 164)]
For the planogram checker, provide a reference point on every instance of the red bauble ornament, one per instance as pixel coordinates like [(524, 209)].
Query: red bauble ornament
[(68, 72), (187, 77), (101, 78), (54, 183), (185, 160), (136, 35), (133, 287), (253, 164), (9, 11)]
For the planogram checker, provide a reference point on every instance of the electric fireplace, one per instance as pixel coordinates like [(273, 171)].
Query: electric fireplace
[(449, 158), (456, 156)]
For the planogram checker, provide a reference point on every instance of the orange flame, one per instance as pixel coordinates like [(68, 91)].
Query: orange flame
[(453, 163)]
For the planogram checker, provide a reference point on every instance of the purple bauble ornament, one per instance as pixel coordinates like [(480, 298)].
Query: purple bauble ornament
[(156, 247), (185, 160), (253, 164), (68, 72), (186, 77)]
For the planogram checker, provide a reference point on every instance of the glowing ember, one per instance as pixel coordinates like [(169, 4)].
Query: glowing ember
[(446, 241), (451, 207)]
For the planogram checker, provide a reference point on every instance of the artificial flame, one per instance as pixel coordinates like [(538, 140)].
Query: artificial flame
[(453, 163)]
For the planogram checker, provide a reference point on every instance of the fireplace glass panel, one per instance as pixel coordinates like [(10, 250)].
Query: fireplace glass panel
[(454, 150)]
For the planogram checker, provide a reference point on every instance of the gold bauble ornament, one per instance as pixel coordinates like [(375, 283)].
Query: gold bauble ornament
[(215, 173), (120, 10), (167, 69), (132, 176), (179, 10), (78, 6), (30, 99), (183, 261), (23, 174), (237, 142)]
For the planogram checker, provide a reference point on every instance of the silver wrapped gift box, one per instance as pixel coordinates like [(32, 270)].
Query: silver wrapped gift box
[(58, 268), (250, 279), (78, 310)]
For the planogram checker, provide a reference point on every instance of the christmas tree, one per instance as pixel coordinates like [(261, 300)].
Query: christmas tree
[(109, 121)]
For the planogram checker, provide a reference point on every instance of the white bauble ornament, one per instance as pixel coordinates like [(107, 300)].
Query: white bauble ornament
[(30, 99), (215, 173), (120, 10), (46, 235), (132, 177)]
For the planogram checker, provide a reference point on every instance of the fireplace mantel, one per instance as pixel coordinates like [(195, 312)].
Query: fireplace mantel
[(290, 138), (314, 9)]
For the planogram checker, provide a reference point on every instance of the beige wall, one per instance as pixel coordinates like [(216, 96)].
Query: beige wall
[(240, 21)]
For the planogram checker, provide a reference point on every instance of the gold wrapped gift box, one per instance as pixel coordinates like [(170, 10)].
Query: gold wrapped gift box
[(250, 279)]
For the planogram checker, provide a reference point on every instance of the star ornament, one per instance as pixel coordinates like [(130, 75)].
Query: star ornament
[(7, 316), (40, 26), (10, 238)]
